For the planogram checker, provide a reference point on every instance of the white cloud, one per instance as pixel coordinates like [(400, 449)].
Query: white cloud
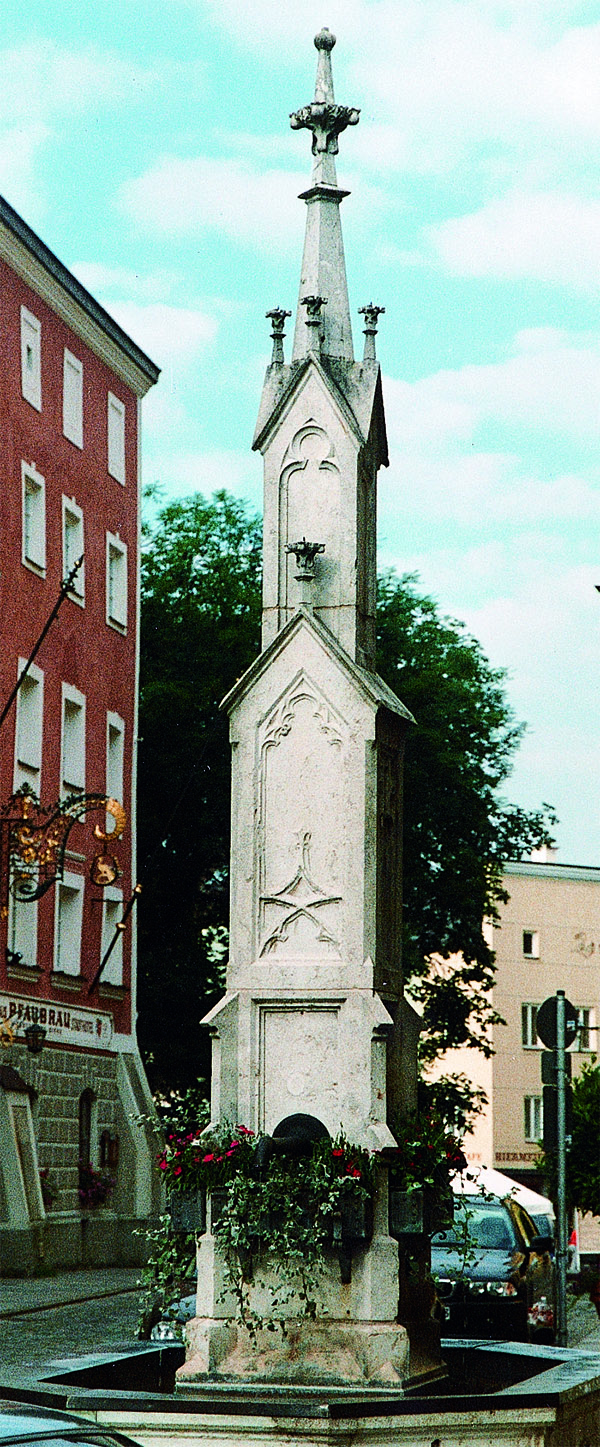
[(180, 195), (120, 281), (42, 79), (553, 237), (445, 81), (44, 84), (170, 334), (186, 472), (549, 386), (20, 146)]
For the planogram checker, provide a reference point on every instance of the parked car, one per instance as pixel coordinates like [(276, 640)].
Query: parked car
[(496, 1183), (22, 1425), (493, 1271)]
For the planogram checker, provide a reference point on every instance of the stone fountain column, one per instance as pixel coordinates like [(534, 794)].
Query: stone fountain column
[(313, 1020)]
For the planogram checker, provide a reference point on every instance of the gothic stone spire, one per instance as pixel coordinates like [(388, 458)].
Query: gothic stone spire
[(323, 263)]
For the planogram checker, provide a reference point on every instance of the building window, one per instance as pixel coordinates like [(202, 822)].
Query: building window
[(116, 438), (73, 546), (533, 1117), (531, 944), (529, 1035), (116, 582), (73, 398), (73, 741), (67, 924), (29, 728), (22, 932), (587, 1023), (112, 914), (31, 358), (33, 547), (115, 741)]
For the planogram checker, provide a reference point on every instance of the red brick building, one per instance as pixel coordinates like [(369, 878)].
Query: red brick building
[(71, 385)]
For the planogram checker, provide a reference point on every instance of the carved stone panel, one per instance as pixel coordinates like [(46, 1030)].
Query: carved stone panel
[(301, 828), (299, 1063)]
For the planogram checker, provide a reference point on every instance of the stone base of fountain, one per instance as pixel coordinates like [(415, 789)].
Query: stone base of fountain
[(298, 1351)]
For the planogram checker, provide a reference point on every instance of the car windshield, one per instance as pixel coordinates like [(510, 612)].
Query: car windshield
[(479, 1224)]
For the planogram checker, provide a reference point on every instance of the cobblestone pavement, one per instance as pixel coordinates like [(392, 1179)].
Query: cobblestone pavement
[(76, 1312), (67, 1315)]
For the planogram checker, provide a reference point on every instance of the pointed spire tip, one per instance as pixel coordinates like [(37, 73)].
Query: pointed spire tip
[(325, 40)]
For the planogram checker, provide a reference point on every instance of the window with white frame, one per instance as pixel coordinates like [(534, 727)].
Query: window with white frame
[(33, 533), (29, 728), (115, 742), (116, 582), (586, 1029), (73, 398), (31, 358), (116, 437), (533, 1117), (112, 915), (68, 921), (72, 741), (22, 931), (529, 1035), (531, 944), (73, 546)]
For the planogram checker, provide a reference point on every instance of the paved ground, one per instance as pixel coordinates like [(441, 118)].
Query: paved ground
[(67, 1314), (83, 1311)]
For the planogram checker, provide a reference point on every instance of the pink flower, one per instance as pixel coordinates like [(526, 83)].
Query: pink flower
[(162, 1165), (243, 1130), (177, 1171), (209, 1157)]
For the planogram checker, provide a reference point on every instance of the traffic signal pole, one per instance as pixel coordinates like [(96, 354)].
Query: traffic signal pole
[(561, 1201)]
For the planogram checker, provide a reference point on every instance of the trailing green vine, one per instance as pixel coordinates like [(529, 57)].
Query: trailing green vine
[(292, 1208)]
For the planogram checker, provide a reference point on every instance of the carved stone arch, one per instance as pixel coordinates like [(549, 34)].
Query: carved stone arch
[(309, 504)]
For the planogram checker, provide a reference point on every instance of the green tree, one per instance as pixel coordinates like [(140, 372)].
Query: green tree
[(200, 630), (583, 1156), (201, 568), (458, 829)]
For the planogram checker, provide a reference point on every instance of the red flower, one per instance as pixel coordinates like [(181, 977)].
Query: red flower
[(177, 1171), (209, 1157), (243, 1130), (338, 1152)]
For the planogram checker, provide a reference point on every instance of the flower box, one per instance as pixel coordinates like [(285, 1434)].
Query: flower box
[(187, 1210), (419, 1213), (406, 1213), (355, 1222)]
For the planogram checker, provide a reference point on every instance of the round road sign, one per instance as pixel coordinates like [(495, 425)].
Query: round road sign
[(546, 1022)]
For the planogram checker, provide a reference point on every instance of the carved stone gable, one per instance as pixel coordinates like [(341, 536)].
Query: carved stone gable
[(302, 747)]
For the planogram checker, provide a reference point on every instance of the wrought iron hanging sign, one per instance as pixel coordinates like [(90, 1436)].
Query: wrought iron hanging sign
[(33, 843)]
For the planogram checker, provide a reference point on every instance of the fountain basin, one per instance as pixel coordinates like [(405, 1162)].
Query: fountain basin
[(502, 1392)]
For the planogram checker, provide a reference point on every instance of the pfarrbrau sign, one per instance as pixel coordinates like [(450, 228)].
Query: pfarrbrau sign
[(64, 1024)]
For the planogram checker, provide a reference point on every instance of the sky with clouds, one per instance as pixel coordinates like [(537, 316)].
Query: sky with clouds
[(148, 143)]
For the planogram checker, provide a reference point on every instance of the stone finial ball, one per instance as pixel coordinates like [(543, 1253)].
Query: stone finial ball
[(324, 40)]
